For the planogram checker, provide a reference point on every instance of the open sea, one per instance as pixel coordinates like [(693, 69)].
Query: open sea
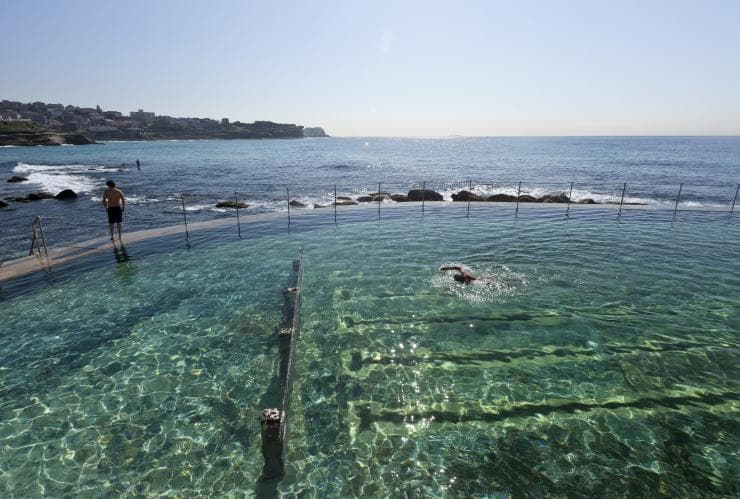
[(206, 172), (597, 357)]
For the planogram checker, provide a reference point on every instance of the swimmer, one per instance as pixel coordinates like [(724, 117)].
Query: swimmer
[(462, 276)]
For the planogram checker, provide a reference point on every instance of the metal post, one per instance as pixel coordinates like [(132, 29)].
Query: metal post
[(567, 211), (621, 201), (33, 239), (678, 197), (423, 194), (42, 237), (518, 193), (335, 204), (287, 190), (380, 198), (185, 219), (734, 199), (470, 189), (238, 222)]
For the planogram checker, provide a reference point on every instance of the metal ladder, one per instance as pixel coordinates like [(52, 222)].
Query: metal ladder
[(38, 240)]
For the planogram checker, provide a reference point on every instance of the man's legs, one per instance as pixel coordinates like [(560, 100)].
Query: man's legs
[(120, 231), (111, 231)]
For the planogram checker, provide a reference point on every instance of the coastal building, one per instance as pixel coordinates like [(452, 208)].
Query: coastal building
[(142, 116)]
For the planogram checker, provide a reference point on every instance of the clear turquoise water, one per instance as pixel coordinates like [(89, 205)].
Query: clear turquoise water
[(600, 359)]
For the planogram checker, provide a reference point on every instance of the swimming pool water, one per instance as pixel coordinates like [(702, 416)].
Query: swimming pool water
[(600, 358)]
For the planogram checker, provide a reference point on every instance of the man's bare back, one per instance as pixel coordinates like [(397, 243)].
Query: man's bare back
[(113, 197)]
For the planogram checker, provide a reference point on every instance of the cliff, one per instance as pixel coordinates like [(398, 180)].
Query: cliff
[(41, 138), (315, 131)]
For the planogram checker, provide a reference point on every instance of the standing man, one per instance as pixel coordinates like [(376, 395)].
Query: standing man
[(138, 165), (114, 203)]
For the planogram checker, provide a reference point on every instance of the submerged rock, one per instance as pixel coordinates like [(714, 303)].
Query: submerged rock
[(316, 206), (39, 196), (344, 198), (66, 194), (3, 204), (296, 204), (17, 178), (466, 196), (399, 198), (501, 198), (364, 199), (424, 195), (587, 201), (231, 204), (558, 197), (344, 202), (526, 198)]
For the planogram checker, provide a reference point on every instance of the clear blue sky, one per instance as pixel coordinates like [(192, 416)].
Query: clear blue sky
[(419, 68)]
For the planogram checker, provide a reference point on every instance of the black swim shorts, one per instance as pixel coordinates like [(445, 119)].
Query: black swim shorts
[(115, 215)]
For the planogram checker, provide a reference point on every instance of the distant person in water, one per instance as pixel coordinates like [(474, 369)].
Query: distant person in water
[(462, 275), (138, 165), (114, 202)]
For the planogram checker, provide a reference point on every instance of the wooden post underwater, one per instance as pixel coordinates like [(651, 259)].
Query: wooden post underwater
[(678, 198), (238, 222), (423, 195), (621, 201), (732, 208), (518, 194), (287, 191), (185, 219), (570, 194)]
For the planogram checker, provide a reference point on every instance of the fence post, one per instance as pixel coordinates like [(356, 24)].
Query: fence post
[(570, 194), (621, 201), (423, 194), (185, 219), (470, 190), (518, 194), (335, 204), (678, 197), (379, 200), (734, 199), (287, 191), (238, 222)]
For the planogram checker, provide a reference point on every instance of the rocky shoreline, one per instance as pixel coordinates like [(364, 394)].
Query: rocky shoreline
[(42, 138)]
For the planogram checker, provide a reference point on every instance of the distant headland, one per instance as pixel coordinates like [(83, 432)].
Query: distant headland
[(38, 123)]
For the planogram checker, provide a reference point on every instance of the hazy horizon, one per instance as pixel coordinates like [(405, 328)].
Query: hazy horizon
[(418, 69)]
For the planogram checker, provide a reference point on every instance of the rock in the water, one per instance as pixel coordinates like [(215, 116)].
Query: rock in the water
[(466, 196), (232, 204), (316, 206), (39, 196), (399, 198), (21, 200), (364, 199), (296, 204), (424, 195), (526, 198), (66, 194), (344, 198), (558, 197), (16, 178), (501, 198), (587, 201), (344, 203), (3, 204)]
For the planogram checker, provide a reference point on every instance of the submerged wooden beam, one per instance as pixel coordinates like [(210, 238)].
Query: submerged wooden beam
[(274, 421)]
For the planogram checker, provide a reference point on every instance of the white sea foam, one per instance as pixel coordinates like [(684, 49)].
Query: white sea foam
[(53, 183)]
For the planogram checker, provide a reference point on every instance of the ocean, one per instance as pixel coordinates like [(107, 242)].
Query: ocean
[(260, 171)]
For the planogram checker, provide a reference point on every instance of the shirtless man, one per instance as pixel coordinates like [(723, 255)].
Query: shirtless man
[(114, 203), (461, 276)]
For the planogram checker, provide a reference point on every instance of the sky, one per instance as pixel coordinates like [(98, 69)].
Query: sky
[(389, 68)]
